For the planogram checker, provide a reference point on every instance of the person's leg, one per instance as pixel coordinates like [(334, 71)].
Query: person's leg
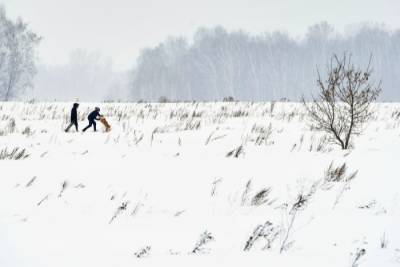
[(69, 126), (76, 126), (87, 127), (94, 125)]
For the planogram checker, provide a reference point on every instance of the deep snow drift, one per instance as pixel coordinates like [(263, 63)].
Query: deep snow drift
[(196, 184)]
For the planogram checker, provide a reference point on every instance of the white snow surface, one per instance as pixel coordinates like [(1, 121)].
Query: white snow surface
[(161, 178)]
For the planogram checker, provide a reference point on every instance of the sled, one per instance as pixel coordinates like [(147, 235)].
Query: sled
[(105, 123)]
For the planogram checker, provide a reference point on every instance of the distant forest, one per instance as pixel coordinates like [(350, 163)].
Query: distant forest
[(268, 66), (217, 64)]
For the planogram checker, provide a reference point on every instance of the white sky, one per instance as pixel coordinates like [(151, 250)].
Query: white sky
[(120, 28)]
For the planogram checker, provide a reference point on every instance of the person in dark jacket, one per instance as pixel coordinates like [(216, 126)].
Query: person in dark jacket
[(74, 117), (93, 116)]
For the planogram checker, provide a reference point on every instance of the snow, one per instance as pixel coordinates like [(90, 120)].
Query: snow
[(161, 178)]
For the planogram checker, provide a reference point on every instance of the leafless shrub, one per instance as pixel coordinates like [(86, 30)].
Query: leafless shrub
[(300, 203), (27, 131), (266, 231), (80, 185), (240, 113), (205, 238), (119, 210), (338, 174), (262, 197), (303, 199), (396, 114), (235, 152), (42, 200), (192, 125), (197, 114), (153, 135), (298, 146), (11, 125), (344, 187), (319, 145), (214, 186), (384, 241), (370, 205), (143, 252), (63, 187), (322, 143), (211, 137), (31, 181), (293, 147), (245, 194), (228, 99), (15, 154), (343, 104), (272, 106), (264, 134), (357, 256), (179, 213), (291, 116), (136, 208)]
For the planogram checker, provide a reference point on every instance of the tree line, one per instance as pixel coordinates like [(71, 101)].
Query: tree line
[(217, 64)]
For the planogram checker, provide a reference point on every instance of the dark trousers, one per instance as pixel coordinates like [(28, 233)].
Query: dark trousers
[(70, 125), (91, 122)]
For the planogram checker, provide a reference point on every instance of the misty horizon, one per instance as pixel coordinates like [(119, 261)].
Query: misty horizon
[(347, 30), (130, 50), (90, 76), (121, 29)]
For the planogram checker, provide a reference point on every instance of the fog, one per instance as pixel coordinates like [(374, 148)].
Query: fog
[(129, 50), (217, 63), (88, 76), (267, 66)]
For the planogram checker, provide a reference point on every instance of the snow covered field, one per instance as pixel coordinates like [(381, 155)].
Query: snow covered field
[(195, 184)]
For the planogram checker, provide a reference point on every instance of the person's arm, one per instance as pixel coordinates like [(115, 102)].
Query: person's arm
[(98, 116)]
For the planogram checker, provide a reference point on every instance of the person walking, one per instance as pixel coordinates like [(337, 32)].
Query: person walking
[(74, 118), (93, 116)]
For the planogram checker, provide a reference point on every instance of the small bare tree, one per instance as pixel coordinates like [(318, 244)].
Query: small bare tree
[(343, 104)]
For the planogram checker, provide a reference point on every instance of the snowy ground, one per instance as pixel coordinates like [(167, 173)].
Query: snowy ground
[(196, 184)]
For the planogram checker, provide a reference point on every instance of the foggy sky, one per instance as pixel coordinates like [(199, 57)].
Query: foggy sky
[(120, 28)]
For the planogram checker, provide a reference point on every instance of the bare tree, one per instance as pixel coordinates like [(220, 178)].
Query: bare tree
[(344, 100), (17, 56)]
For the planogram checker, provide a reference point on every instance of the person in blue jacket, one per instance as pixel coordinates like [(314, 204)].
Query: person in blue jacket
[(93, 116), (74, 117)]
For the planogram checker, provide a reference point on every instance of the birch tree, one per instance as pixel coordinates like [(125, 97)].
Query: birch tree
[(17, 56)]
